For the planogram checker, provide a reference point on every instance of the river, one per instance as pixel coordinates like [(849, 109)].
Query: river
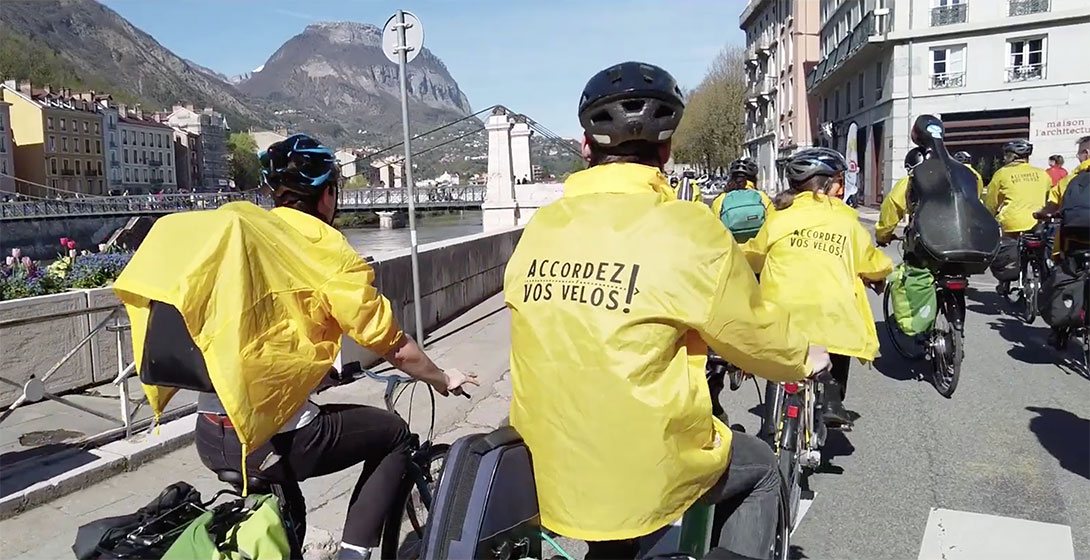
[(370, 241)]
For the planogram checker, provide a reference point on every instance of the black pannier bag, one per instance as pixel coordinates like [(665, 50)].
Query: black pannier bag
[(1063, 297), (951, 230), (1007, 263), (486, 504)]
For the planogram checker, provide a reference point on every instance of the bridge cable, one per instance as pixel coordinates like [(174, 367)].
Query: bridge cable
[(47, 187)]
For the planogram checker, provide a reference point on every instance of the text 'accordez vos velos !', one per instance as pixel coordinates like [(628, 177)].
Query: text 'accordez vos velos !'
[(609, 285)]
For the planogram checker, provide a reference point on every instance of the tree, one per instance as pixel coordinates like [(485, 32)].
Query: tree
[(712, 129), (244, 167)]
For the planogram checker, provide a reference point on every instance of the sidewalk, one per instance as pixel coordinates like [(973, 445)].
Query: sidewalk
[(478, 342)]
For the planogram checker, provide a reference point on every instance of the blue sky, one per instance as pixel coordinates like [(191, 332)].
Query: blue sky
[(532, 56)]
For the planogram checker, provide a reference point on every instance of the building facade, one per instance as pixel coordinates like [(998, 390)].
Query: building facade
[(58, 141), (111, 139), (7, 150), (212, 128), (993, 70), (147, 154), (781, 47), (187, 159)]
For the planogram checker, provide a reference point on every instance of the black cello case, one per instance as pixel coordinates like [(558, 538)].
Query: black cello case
[(951, 231)]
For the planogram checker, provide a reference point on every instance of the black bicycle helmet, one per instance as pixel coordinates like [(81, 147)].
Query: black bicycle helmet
[(914, 157), (298, 163), (1020, 148), (743, 166), (963, 157), (812, 162), (630, 101)]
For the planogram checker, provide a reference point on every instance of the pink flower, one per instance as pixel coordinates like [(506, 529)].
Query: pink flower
[(17, 253), (10, 261), (27, 263), (71, 244), (64, 242)]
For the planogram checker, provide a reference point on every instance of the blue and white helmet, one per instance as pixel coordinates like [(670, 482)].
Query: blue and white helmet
[(298, 163), (812, 162)]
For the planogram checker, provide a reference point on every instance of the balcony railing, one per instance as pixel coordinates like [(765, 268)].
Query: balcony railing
[(948, 80), (155, 162), (762, 86), (67, 172), (1027, 7), (92, 173), (1025, 72), (949, 15), (859, 37)]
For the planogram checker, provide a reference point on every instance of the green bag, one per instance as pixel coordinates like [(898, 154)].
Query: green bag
[(259, 535), (913, 293), (743, 213)]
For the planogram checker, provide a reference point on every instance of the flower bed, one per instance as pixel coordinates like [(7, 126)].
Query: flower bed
[(20, 277)]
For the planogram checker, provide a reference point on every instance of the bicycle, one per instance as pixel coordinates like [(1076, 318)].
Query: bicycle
[(944, 343), (414, 498), (1033, 256)]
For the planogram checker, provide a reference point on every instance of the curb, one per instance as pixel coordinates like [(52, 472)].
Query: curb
[(82, 468)]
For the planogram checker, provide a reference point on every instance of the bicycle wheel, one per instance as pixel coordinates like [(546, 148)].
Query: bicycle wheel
[(1031, 285), (781, 549), (403, 531), (906, 345), (790, 467), (736, 377), (947, 349)]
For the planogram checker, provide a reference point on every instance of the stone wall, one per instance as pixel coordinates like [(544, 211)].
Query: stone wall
[(40, 238), (457, 274)]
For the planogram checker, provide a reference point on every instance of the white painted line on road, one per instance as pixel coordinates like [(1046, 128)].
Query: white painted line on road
[(804, 506), (961, 535)]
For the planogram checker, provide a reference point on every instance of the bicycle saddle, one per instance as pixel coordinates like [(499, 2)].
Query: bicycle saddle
[(234, 478)]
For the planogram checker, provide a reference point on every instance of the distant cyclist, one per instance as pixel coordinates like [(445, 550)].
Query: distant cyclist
[(741, 207), (1017, 189), (895, 205), (688, 188), (965, 159)]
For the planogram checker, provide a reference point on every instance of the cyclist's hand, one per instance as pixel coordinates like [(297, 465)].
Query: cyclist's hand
[(882, 243), (877, 287), (818, 358), (456, 380)]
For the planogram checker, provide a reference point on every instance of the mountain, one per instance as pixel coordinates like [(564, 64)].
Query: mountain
[(83, 44), (336, 73)]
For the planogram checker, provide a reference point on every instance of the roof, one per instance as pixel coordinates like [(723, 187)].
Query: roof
[(132, 120)]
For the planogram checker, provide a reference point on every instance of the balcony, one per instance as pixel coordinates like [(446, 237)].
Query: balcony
[(1027, 7), (949, 15), (92, 173), (67, 172), (751, 54), (761, 87), (115, 163), (763, 126), (868, 33), (155, 162), (1025, 73), (156, 181), (948, 80)]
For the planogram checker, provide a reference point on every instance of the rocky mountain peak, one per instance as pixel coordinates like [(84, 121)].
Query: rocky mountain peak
[(347, 32)]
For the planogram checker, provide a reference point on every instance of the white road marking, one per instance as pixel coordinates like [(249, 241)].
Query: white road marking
[(961, 535), (804, 506)]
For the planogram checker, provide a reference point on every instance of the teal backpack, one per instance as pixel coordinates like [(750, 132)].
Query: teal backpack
[(743, 213)]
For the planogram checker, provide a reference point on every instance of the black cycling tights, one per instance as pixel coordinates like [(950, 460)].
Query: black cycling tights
[(340, 437)]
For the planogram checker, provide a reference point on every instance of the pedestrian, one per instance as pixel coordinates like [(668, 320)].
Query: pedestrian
[(1056, 168)]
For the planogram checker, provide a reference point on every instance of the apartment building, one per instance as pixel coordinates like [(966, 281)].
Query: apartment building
[(7, 150), (212, 128), (781, 47), (147, 153), (58, 141), (187, 159), (111, 138), (993, 70)]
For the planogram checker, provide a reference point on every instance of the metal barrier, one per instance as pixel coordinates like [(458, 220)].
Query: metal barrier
[(34, 389), (362, 199)]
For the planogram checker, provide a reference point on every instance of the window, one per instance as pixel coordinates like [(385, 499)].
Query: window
[(1026, 60), (160, 140), (98, 146), (75, 145), (1, 122), (144, 157), (825, 109), (4, 166), (53, 165), (88, 164), (127, 176), (98, 128), (948, 67), (49, 123), (126, 155), (3, 145), (143, 139), (878, 82), (64, 143), (75, 127), (87, 145), (836, 103), (64, 167), (862, 88), (145, 175), (169, 163), (100, 169), (847, 98), (86, 127)]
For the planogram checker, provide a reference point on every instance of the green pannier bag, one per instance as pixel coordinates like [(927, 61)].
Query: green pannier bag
[(253, 531), (913, 293)]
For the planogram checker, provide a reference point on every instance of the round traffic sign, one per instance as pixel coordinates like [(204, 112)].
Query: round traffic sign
[(414, 37)]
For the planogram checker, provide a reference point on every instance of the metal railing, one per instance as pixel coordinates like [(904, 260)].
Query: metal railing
[(362, 199), (1027, 7), (949, 15), (34, 389), (1025, 72), (859, 37), (948, 80)]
